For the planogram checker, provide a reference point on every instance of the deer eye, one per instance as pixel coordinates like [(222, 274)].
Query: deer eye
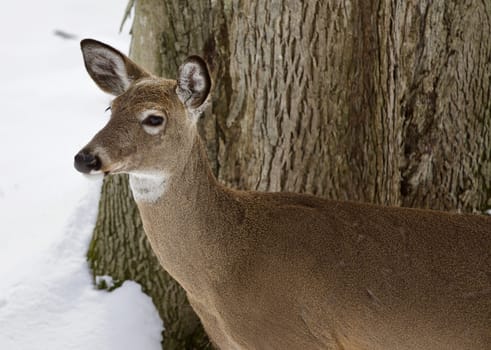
[(153, 120)]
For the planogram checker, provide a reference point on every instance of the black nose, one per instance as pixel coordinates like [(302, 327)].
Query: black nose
[(85, 162)]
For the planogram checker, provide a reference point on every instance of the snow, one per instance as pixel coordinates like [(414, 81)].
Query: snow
[(105, 280), (49, 109)]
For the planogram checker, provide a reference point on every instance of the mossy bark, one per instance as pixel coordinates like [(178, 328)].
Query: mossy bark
[(382, 101)]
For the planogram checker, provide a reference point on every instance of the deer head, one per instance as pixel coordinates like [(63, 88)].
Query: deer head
[(153, 120)]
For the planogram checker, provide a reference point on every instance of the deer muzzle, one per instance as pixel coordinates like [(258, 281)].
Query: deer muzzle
[(86, 162)]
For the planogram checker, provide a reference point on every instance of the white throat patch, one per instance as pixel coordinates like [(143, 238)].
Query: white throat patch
[(148, 187)]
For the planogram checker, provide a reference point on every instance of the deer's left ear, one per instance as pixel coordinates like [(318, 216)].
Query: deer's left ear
[(111, 70), (193, 83)]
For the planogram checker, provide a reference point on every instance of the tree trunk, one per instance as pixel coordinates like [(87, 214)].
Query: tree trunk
[(382, 101)]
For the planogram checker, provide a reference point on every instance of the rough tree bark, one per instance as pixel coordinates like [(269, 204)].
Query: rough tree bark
[(383, 101)]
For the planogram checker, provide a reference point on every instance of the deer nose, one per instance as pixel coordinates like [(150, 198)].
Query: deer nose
[(85, 162)]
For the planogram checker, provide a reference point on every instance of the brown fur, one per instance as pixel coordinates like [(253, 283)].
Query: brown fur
[(293, 271)]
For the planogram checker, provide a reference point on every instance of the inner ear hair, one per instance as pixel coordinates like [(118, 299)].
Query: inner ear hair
[(194, 82)]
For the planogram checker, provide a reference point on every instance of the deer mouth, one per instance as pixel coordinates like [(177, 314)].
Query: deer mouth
[(113, 170)]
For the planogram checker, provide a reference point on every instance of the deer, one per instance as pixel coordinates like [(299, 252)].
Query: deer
[(283, 270)]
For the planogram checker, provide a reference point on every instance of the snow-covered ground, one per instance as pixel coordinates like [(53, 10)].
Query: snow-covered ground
[(49, 110)]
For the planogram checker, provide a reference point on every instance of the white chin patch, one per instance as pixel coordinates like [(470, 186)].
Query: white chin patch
[(94, 175), (148, 188)]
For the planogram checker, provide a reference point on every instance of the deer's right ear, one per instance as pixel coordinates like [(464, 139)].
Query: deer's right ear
[(111, 70), (193, 83)]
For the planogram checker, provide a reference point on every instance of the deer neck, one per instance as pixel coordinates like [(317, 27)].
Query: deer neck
[(179, 214)]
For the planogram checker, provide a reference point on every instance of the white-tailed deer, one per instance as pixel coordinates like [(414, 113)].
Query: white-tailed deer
[(284, 270)]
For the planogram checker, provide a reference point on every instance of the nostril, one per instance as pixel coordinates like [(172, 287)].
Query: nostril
[(80, 158), (93, 162), (85, 162)]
